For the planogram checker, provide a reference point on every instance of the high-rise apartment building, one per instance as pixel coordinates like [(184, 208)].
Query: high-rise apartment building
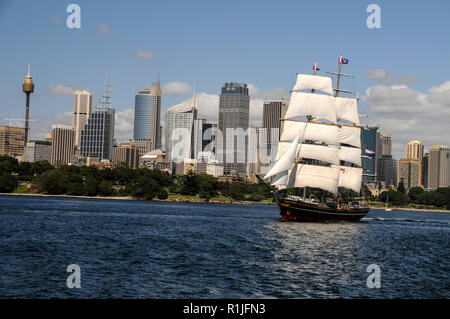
[(12, 141), (410, 172), (97, 136), (234, 107), (414, 150), (37, 151), (147, 115), (82, 108), (63, 138), (439, 167)]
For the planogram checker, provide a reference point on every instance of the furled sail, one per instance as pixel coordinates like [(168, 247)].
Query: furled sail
[(350, 177), (318, 106), (286, 161), (323, 153), (319, 83), (350, 154), (349, 135), (347, 109), (323, 177), (310, 132)]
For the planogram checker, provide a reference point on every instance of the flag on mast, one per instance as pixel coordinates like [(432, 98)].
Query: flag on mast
[(342, 60), (316, 67)]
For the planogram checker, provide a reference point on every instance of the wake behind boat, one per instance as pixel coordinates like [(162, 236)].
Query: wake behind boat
[(319, 153)]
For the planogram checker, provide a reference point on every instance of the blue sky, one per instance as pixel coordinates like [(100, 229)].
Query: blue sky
[(259, 42)]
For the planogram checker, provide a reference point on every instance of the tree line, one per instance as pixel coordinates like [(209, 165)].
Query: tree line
[(142, 183)]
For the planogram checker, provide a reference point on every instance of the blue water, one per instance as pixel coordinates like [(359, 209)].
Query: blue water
[(131, 249)]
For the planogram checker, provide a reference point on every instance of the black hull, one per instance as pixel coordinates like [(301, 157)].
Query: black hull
[(301, 211)]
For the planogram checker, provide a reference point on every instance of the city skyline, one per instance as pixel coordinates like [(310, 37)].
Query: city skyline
[(399, 89)]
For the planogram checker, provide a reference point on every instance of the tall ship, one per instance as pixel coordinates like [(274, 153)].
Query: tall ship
[(317, 173)]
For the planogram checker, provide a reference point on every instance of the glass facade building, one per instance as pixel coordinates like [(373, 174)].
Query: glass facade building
[(370, 140), (234, 108), (97, 136)]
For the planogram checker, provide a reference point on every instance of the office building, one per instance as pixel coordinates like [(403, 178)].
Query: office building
[(142, 145), (125, 154), (147, 115), (234, 107), (387, 169), (82, 108), (97, 136), (385, 144), (179, 122), (425, 160), (273, 112), (63, 138), (37, 151), (370, 139), (439, 167), (12, 141)]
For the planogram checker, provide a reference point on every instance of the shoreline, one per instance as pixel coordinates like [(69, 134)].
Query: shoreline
[(200, 201), (130, 198)]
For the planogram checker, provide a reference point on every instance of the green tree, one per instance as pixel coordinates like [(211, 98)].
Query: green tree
[(401, 187), (162, 194), (105, 188), (414, 193), (8, 182)]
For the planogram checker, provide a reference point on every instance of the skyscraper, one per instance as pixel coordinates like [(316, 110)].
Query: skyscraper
[(97, 136), (234, 107), (370, 140), (63, 138), (273, 112), (82, 108), (147, 115), (439, 167), (387, 167), (385, 144), (180, 119), (409, 171), (425, 160), (414, 150), (410, 167)]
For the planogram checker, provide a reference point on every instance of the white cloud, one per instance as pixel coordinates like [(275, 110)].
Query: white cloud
[(407, 114), (103, 28), (143, 54), (62, 90), (382, 77), (124, 123), (176, 88)]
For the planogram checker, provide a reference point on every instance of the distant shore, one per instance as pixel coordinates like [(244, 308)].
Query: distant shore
[(171, 200), (201, 201)]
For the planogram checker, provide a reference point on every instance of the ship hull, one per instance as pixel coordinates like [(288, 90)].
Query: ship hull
[(304, 212)]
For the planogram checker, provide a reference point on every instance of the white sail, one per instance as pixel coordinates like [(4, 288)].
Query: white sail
[(326, 178), (350, 154), (286, 161), (323, 153), (347, 109), (350, 177), (320, 83), (280, 180), (310, 132), (319, 106), (349, 135)]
